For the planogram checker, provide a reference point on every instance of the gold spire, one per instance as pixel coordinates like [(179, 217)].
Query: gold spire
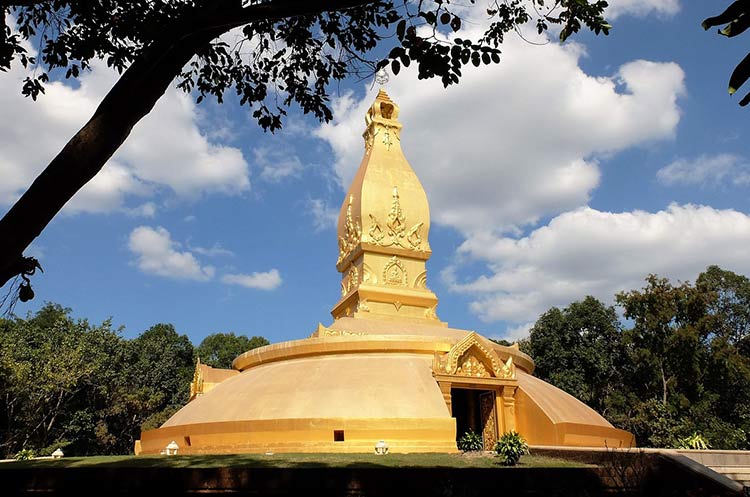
[(383, 229)]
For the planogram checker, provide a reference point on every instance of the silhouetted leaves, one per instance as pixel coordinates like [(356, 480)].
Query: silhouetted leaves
[(279, 61), (737, 20)]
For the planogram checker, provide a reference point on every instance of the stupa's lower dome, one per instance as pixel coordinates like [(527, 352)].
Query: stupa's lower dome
[(362, 381), (387, 368)]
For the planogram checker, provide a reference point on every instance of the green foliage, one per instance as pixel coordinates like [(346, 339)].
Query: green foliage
[(291, 52), (470, 442), (578, 349), (736, 19), (694, 442), (82, 387), (25, 455), (511, 447), (682, 366), (219, 349), (164, 362)]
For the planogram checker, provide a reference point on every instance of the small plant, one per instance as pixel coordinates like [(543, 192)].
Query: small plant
[(25, 455), (511, 447), (470, 442), (693, 442)]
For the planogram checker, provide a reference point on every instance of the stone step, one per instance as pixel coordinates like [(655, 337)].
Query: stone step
[(740, 474)]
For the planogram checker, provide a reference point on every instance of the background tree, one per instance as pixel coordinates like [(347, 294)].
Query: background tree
[(580, 350), (220, 349), (289, 52), (162, 363), (55, 370), (669, 325), (66, 383), (679, 368)]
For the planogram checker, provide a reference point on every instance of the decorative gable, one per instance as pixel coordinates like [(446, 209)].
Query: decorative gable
[(470, 357)]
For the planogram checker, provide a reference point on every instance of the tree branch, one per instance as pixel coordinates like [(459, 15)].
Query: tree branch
[(131, 98), (20, 3)]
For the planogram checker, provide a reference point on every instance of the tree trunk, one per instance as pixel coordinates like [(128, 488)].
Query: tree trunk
[(132, 98)]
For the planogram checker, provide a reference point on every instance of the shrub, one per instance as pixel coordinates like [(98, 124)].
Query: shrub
[(470, 442), (25, 455), (511, 447), (696, 441)]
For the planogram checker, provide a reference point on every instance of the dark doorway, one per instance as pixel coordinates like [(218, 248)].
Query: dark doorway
[(467, 408)]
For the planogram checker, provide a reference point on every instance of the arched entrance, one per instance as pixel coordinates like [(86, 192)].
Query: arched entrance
[(475, 410), (478, 389)]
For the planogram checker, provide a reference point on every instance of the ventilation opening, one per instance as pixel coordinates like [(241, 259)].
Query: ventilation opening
[(338, 435), (187, 441)]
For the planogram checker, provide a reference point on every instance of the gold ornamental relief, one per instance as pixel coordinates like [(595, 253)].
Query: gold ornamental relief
[(430, 313), (196, 386), (471, 366), (381, 119), (395, 233), (352, 233), (488, 410), (323, 331), (350, 280), (368, 276), (394, 273), (459, 360), (341, 333), (362, 306)]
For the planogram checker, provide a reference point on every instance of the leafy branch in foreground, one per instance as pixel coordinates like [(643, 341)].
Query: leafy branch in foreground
[(280, 53), (736, 20)]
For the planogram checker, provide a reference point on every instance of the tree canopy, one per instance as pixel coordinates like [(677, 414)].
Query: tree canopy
[(219, 349), (286, 53), (67, 383), (680, 366)]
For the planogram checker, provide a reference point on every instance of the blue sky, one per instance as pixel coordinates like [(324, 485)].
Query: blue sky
[(563, 171)]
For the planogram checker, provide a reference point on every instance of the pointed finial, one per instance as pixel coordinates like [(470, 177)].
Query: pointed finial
[(381, 77)]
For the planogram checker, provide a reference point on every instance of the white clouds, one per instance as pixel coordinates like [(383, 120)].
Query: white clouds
[(269, 280), (276, 164), (166, 149), (706, 170), (158, 254), (214, 251), (324, 216), (512, 143), (522, 140), (641, 8), (589, 252)]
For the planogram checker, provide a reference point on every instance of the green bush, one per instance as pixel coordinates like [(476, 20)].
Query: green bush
[(696, 441), (511, 447), (470, 442), (25, 455)]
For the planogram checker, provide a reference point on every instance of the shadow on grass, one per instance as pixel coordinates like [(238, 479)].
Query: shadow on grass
[(290, 461)]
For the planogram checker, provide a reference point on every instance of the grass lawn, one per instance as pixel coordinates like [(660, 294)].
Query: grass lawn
[(471, 460)]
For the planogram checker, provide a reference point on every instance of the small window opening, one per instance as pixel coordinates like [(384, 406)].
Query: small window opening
[(187, 441), (338, 435)]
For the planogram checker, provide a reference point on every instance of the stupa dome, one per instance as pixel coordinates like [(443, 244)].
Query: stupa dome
[(386, 368)]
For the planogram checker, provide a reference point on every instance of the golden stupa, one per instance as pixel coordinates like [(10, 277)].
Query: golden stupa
[(387, 368)]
